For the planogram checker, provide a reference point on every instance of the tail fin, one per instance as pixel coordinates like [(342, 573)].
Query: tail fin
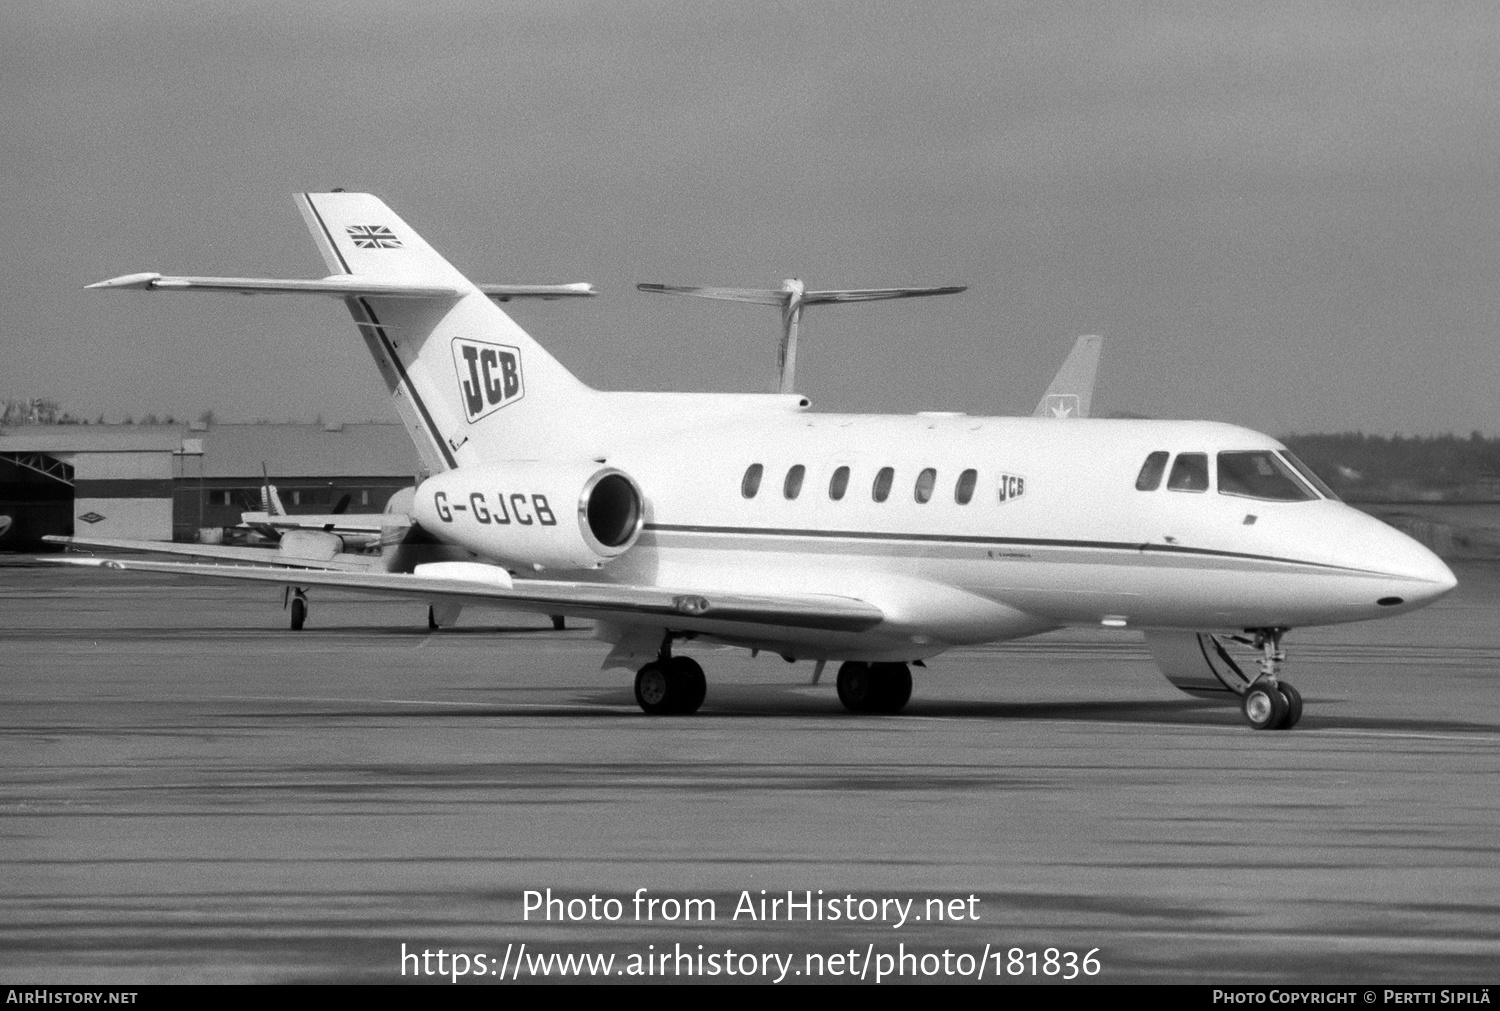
[(270, 500), (1072, 389), (470, 384)]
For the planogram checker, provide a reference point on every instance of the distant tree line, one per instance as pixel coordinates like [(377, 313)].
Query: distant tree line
[(1395, 468)]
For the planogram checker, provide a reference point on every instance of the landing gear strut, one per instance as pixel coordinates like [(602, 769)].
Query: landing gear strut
[(670, 685), (1270, 703), (874, 687)]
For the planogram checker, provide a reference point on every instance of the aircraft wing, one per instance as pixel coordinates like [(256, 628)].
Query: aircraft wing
[(1072, 389), (228, 552), (608, 601), (338, 523)]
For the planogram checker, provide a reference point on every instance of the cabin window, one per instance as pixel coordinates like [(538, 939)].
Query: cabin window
[(793, 484), (963, 492), (1308, 475), (838, 484), (1189, 473), (881, 489), (751, 484), (1261, 475), (1149, 478), (926, 481)]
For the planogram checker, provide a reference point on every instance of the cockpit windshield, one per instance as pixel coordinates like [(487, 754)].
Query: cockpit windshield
[(1261, 474), (1308, 475)]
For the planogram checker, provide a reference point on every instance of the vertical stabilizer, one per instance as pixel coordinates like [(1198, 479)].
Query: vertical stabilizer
[(1072, 389), (469, 383)]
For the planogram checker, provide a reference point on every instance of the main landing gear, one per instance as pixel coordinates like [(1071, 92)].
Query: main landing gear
[(670, 685), (874, 687), (296, 601), (1270, 703)]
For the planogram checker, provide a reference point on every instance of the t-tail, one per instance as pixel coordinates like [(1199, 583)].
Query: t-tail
[(469, 383)]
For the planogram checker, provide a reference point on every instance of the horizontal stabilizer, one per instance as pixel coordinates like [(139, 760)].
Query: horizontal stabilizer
[(341, 286), (780, 296), (759, 296), (876, 294), (338, 286), (545, 292), (610, 601)]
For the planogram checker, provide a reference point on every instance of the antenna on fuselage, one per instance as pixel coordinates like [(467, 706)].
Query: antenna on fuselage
[(792, 297)]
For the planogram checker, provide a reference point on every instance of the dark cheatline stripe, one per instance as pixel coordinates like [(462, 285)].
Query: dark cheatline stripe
[(327, 234), (123, 488), (385, 342), (1022, 542)]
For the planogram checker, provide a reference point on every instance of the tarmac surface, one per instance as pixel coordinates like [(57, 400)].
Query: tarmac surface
[(194, 793)]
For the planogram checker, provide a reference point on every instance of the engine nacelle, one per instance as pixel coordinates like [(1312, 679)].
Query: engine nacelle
[(1198, 663), (312, 545), (534, 515)]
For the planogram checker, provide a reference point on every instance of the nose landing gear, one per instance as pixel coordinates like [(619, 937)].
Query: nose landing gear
[(1268, 702)]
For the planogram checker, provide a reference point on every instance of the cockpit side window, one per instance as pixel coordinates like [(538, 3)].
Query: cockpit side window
[(1151, 473), (1263, 475), (1189, 473)]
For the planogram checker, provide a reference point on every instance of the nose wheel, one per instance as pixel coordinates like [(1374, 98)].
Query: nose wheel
[(1270, 703)]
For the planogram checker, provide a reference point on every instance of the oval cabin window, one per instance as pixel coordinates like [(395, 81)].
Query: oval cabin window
[(751, 484), (793, 485), (838, 484), (926, 481), (963, 492), (881, 489)]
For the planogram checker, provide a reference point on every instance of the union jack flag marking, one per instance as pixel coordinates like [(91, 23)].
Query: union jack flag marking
[(373, 237)]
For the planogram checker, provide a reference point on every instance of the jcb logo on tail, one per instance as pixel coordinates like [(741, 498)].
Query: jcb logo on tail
[(489, 375), (1011, 487)]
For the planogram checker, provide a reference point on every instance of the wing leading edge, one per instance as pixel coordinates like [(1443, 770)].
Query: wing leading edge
[(685, 608)]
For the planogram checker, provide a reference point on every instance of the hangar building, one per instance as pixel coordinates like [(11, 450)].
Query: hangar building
[(169, 482)]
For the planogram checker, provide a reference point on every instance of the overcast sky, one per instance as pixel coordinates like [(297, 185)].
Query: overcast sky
[(1281, 216)]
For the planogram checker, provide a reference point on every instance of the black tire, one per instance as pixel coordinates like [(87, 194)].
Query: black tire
[(1293, 706), (559, 621), (690, 686), (858, 687), (1263, 705), (432, 625), (653, 689), (893, 682), (299, 613)]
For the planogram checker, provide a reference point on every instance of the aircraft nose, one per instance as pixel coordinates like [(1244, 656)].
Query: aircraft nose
[(1427, 577)]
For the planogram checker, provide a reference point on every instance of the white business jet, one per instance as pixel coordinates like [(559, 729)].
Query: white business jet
[(872, 540)]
